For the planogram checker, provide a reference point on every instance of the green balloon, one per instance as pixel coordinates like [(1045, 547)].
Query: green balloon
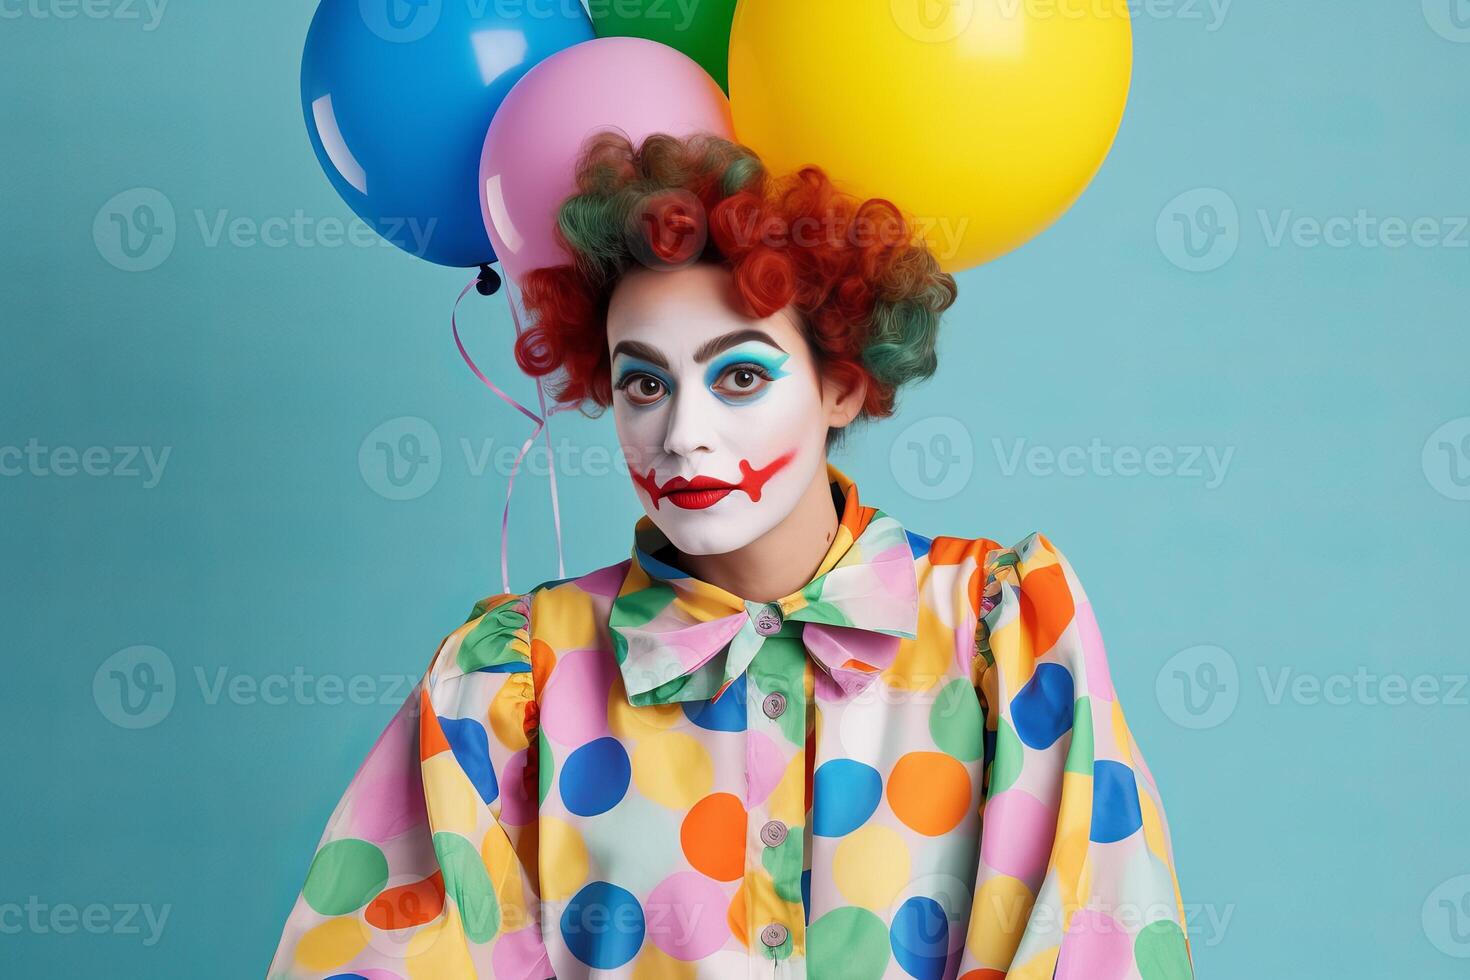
[(701, 30)]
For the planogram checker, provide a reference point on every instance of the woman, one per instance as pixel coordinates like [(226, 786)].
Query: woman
[(787, 737)]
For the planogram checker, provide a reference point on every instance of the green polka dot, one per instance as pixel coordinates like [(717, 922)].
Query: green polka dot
[(545, 765), (779, 666), (849, 942), (1079, 756), (489, 643), (955, 721), (784, 864), (1009, 754), (1160, 953), (345, 875), (636, 609), (468, 883)]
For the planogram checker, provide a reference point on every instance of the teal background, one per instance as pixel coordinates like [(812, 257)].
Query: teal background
[(1313, 839)]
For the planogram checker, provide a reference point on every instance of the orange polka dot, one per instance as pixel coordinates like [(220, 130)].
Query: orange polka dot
[(543, 662), (946, 550), (431, 736), (407, 905), (713, 836), (929, 792), (1046, 607)]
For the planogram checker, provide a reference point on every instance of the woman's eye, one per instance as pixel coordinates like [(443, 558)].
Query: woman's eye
[(742, 381), (643, 389)]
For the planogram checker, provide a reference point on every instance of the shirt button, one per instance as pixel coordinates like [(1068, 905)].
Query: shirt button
[(768, 620), (774, 704), (773, 834), (773, 935)]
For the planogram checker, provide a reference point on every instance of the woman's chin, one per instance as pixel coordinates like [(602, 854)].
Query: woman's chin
[(714, 530)]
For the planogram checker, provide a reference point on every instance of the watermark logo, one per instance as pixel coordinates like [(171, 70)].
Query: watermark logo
[(401, 459), (135, 687), (1450, 19), (1199, 230), (933, 21), (135, 230), (1207, 464), (1446, 917), (1446, 459), (1199, 687), (400, 21), (933, 458)]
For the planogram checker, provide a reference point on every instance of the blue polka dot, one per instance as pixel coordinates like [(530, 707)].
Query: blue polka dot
[(920, 938), (471, 748), (1042, 711), (595, 777), (845, 794), (918, 544), (510, 667), (806, 896), (603, 925), (1115, 812), (725, 714)]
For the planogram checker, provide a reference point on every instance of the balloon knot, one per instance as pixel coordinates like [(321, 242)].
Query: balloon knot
[(489, 282)]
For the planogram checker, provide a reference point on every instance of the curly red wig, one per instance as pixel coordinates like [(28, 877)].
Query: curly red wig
[(868, 293)]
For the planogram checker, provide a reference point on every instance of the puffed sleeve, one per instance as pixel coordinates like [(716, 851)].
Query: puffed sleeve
[(1076, 877), (427, 867)]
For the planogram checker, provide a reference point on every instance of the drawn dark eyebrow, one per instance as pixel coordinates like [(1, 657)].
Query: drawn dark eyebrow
[(642, 351), (707, 350), (713, 346)]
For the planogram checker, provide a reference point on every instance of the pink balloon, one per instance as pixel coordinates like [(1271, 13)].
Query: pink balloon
[(527, 166)]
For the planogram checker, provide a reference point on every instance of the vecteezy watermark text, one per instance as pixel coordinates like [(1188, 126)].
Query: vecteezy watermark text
[(40, 918), (136, 687), (148, 13), (1201, 686), (1209, 464), (1201, 230), (122, 462)]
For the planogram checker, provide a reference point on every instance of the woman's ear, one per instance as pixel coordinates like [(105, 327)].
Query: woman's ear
[(843, 394)]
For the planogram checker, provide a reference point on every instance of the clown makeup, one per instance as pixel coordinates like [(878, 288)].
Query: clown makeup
[(721, 417)]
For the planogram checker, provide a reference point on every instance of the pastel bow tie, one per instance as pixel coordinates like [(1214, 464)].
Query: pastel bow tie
[(680, 639)]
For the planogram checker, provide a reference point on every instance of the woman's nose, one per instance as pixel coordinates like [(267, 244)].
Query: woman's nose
[(689, 425)]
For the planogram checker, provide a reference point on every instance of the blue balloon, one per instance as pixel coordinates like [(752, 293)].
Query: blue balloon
[(398, 95)]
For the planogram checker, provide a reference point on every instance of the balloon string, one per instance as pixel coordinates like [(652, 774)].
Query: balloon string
[(561, 571), (540, 423)]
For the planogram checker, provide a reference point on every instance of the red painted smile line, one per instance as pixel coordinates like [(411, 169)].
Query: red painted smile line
[(706, 491)]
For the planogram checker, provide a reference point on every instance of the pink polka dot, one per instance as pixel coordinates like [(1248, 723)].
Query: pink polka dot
[(605, 581), (1099, 678), (516, 806), (1016, 836), (685, 915), (388, 797), (1096, 945), (765, 764), (574, 703), (520, 954)]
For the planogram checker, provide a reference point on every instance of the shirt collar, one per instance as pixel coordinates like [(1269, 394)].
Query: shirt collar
[(678, 638)]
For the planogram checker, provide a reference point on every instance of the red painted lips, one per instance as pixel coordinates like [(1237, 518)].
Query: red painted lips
[(706, 491)]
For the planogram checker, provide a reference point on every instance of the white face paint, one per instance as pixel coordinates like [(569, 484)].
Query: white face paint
[(721, 416)]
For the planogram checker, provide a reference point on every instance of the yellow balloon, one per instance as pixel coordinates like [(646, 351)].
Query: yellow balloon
[(983, 120)]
